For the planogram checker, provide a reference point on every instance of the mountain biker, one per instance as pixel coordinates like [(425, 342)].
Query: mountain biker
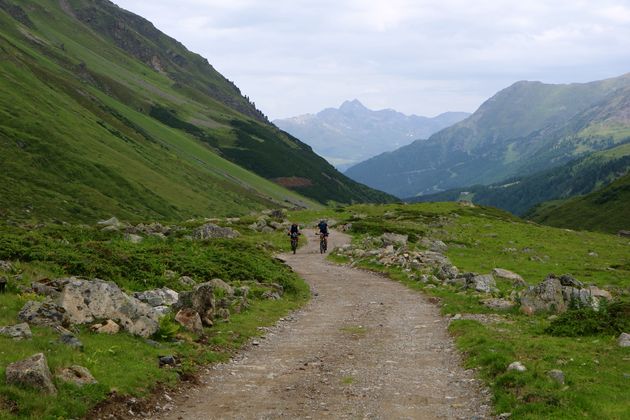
[(323, 227), (294, 229), (294, 233)]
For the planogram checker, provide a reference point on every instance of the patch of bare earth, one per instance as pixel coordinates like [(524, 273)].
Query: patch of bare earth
[(364, 347), (293, 182)]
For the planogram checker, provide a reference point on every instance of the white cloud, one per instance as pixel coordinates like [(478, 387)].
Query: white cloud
[(422, 56)]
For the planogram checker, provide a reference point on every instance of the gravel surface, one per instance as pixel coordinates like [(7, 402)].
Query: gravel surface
[(364, 347)]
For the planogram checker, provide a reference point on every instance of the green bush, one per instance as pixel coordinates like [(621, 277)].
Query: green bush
[(612, 318)]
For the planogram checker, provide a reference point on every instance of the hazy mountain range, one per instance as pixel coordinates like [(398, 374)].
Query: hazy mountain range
[(353, 133)]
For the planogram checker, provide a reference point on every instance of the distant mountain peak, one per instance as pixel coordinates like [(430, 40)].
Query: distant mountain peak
[(353, 105)]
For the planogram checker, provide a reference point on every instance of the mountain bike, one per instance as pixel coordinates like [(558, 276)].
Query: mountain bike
[(323, 243), (294, 241)]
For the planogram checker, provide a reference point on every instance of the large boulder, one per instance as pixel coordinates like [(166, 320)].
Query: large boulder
[(17, 332), (87, 301), (45, 313), (546, 296), (212, 231), (32, 372), (205, 299), (190, 320), (158, 297)]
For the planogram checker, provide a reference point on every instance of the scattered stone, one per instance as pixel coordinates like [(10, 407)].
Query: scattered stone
[(270, 295), (190, 320), (557, 375), (77, 375), (186, 281), (568, 280), (111, 225), (482, 283), (72, 341), (593, 254), (133, 238), (85, 301), (624, 340), (166, 360), (158, 297), (447, 271), (504, 416), (44, 313), (517, 366), (109, 327), (396, 239), (624, 233), (17, 332), (32, 372), (212, 231), (500, 304), (509, 275), (5, 266)]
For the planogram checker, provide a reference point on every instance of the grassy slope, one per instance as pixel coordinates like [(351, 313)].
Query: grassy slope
[(606, 209), (523, 129), (124, 364), (518, 196), (80, 137), (480, 239)]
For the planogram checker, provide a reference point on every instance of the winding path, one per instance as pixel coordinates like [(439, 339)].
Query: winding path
[(364, 347)]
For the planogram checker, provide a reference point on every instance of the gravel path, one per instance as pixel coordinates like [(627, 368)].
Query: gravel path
[(364, 347)]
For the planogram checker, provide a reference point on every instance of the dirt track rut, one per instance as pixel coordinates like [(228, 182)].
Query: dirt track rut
[(364, 347)]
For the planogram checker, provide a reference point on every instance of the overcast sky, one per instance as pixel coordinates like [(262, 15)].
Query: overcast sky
[(422, 57)]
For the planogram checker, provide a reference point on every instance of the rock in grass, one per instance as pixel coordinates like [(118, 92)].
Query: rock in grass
[(187, 281), (158, 297), (133, 238), (390, 238), (70, 340), (44, 313), (166, 360), (502, 273), (498, 303), (517, 366), (482, 283), (109, 327), (77, 375), (624, 340), (32, 372), (557, 375), (190, 320), (212, 231), (17, 332)]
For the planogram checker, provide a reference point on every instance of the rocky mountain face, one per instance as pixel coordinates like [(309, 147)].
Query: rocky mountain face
[(524, 129), (353, 133), (101, 114)]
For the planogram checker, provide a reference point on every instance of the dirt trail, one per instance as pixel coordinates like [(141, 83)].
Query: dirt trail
[(364, 347)]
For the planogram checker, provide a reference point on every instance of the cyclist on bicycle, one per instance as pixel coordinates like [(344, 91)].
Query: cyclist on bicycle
[(323, 227)]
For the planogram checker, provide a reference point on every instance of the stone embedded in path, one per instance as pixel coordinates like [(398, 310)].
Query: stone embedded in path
[(17, 332), (624, 340), (32, 372), (77, 375)]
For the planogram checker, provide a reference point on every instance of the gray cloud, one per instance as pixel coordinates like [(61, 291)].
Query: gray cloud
[(422, 57)]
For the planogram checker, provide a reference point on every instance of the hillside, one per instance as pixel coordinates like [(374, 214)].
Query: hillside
[(103, 114), (352, 133), (578, 177), (524, 129), (605, 210)]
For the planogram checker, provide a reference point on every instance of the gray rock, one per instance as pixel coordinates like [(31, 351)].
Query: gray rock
[(482, 283), (32, 372), (86, 301), (557, 375), (190, 320), (166, 360), (17, 332), (158, 297), (517, 366), (5, 266), (186, 281), (395, 239), (49, 287), (568, 280), (44, 313), (71, 341), (624, 340), (546, 296), (270, 295), (624, 233), (77, 375), (212, 231), (447, 271), (133, 238), (509, 275), (113, 221)]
